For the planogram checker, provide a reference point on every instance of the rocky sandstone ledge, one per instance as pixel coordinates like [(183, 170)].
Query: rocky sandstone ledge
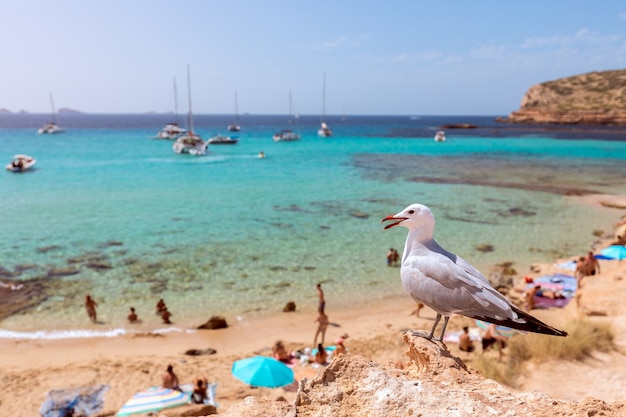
[(595, 98), (587, 118), (434, 383)]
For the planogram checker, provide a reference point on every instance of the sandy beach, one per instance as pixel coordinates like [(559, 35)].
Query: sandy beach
[(129, 364)]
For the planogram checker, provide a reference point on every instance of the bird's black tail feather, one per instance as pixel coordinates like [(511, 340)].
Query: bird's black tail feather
[(530, 324)]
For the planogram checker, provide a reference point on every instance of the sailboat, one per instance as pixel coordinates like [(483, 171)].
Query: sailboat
[(51, 127), (190, 142), (235, 126), (324, 131), (287, 135), (172, 131)]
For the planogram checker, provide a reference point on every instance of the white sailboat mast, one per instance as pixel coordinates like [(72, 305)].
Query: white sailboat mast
[(175, 102), (324, 98), (54, 119), (189, 94)]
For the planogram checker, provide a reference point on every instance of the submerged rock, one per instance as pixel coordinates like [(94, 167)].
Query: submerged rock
[(198, 352), (18, 296), (61, 272), (215, 322)]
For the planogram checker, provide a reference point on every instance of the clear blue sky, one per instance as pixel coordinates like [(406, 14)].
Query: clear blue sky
[(396, 57)]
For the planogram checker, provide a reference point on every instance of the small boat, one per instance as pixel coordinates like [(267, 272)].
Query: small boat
[(172, 131), (222, 140), (440, 136), (51, 128), (235, 126), (324, 131), (190, 143), (286, 135), (21, 163)]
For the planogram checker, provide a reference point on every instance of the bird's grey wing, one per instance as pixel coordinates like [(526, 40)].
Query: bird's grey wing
[(436, 280), (469, 270)]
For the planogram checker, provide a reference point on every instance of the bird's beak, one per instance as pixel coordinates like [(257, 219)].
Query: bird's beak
[(393, 217)]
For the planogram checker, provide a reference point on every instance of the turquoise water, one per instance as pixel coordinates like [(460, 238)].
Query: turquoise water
[(231, 234)]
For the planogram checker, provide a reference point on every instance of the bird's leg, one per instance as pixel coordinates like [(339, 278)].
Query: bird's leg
[(445, 324), (432, 331)]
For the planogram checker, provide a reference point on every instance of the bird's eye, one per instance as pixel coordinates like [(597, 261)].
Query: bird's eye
[(411, 211)]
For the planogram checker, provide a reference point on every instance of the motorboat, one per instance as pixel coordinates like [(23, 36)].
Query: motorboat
[(440, 136), (324, 131), (21, 163), (171, 131), (286, 135), (191, 144), (50, 129), (222, 140)]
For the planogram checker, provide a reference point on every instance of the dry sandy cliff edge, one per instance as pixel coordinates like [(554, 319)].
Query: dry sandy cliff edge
[(435, 383)]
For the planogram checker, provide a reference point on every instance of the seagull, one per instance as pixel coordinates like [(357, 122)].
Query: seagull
[(448, 284)]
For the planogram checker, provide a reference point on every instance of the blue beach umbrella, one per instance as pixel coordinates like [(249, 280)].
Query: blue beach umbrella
[(263, 371), (153, 400), (613, 252)]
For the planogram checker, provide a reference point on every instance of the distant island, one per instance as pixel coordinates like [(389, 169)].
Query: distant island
[(62, 110), (65, 110), (595, 98)]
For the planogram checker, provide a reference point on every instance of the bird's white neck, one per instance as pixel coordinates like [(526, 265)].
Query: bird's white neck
[(417, 236)]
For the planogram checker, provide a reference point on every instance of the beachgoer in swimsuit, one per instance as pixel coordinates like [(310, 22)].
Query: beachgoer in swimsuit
[(169, 379), (322, 321), (199, 394), (90, 306), (322, 302), (132, 317), (465, 343), (492, 337)]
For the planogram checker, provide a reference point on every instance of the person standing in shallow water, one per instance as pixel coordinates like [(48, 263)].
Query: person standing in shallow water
[(132, 317), (160, 306), (90, 306), (390, 257), (322, 302)]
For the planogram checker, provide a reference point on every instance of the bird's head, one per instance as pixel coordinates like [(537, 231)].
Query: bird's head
[(413, 217)]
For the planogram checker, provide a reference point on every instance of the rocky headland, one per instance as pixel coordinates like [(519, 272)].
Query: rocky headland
[(596, 98)]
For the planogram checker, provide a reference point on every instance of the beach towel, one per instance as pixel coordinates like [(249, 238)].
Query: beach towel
[(560, 283), (453, 337), (569, 265), (83, 400)]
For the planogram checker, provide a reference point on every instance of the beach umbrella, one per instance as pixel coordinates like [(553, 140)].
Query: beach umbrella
[(613, 252), (263, 371), (502, 330), (153, 400)]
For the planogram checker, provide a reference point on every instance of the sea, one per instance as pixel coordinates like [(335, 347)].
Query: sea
[(109, 210)]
